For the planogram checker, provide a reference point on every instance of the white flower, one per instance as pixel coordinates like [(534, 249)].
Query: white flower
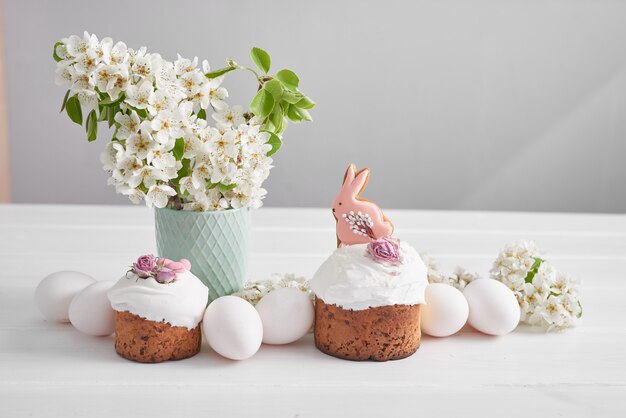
[(199, 175), (88, 100), (165, 78), (118, 83), (134, 195), (138, 95), (160, 158), (143, 65), (223, 146), (64, 74), (158, 195), (129, 124), (184, 65), (103, 49), (159, 101), (118, 54), (147, 175), (167, 125), (76, 45), (223, 172), (81, 81), (228, 117), (140, 144), (106, 74), (111, 155), (191, 82), (86, 63)]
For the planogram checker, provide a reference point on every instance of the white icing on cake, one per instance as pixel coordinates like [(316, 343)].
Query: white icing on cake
[(352, 279), (181, 303)]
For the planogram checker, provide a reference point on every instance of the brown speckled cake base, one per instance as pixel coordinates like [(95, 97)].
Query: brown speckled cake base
[(380, 334), (145, 341)]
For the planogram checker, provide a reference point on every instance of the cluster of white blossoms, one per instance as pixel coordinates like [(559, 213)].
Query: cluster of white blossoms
[(253, 292), (548, 298), (459, 278), (163, 151)]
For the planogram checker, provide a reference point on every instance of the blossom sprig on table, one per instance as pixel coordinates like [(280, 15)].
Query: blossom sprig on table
[(548, 298), (162, 270), (254, 291), (163, 149)]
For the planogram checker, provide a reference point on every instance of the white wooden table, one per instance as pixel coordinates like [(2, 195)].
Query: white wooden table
[(49, 370)]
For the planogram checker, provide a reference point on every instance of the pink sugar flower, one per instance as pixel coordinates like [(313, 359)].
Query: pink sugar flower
[(144, 265), (385, 250)]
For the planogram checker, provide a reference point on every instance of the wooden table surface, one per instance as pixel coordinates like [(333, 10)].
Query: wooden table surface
[(50, 370)]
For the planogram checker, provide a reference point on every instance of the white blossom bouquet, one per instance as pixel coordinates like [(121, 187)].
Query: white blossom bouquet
[(548, 298), (163, 150)]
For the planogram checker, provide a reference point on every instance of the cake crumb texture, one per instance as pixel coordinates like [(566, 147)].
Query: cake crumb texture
[(148, 341), (380, 334)]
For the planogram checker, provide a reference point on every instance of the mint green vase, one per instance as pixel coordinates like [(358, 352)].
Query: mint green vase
[(216, 244)]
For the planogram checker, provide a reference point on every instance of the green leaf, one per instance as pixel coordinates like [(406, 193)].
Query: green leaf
[(276, 117), (67, 95), (179, 148), (54, 52), (533, 270), (221, 71), (210, 185), (274, 141), (291, 97), (142, 113), (305, 103), (261, 59), (226, 187), (110, 102), (73, 109), (289, 79), (262, 104), (104, 114), (113, 110), (202, 114), (293, 114), (91, 126), (275, 87), (304, 114)]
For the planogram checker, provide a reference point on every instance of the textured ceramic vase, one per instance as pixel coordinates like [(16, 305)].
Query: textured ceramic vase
[(216, 244)]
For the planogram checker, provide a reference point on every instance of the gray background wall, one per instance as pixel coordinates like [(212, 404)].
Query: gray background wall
[(503, 105)]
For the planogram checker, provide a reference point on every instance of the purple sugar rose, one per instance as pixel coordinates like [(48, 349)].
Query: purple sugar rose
[(165, 275), (385, 250), (144, 265)]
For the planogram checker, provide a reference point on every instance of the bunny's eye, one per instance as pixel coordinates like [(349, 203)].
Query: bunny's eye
[(339, 203)]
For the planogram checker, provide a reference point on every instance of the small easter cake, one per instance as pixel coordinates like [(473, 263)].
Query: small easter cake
[(368, 292), (158, 307)]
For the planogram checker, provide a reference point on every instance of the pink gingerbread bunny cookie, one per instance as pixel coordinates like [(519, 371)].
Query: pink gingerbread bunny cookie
[(359, 221)]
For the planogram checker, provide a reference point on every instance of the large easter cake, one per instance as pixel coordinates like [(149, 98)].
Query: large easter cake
[(368, 292)]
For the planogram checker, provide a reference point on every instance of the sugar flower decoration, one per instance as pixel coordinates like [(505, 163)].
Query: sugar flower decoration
[(384, 250), (162, 270)]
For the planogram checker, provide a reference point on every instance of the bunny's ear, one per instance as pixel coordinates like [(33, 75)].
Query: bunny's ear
[(348, 178), (359, 182)]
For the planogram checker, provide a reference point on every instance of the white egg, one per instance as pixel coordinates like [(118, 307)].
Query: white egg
[(56, 291), (493, 308), (90, 311), (287, 315), (445, 311), (232, 327)]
